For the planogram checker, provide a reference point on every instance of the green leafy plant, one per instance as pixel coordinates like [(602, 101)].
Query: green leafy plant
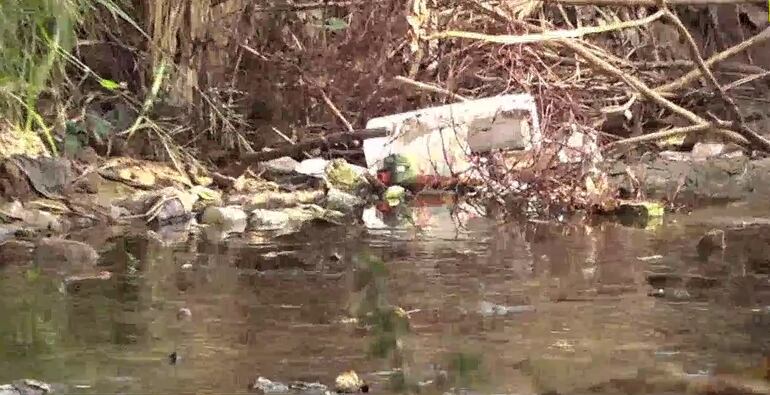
[(36, 40)]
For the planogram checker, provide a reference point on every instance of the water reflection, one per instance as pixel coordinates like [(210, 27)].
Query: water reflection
[(490, 308)]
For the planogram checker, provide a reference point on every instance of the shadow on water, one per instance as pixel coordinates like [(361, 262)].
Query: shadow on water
[(517, 308)]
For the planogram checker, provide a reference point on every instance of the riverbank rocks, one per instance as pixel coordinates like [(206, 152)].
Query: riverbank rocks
[(716, 179), (231, 218), (276, 199), (165, 206), (290, 220), (30, 217), (343, 201), (50, 177), (143, 174)]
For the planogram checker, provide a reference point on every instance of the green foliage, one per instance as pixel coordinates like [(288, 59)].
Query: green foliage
[(109, 84), (33, 33), (36, 38)]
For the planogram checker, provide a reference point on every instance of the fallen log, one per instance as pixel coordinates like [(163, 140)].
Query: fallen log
[(318, 142)]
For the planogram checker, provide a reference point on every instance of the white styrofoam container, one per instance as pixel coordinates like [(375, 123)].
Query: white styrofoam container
[(440, 133)]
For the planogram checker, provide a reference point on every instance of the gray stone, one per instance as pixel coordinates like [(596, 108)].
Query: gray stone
[(231, 217), (266, 386), (166, 206), (261, 219), (714, 179), (343, 201), (48, 176), (290, 220), (492, 309), (283, 165), (276, 199), (704, 151), (32, 387), (7, 389), (314, 167), (308, 388)]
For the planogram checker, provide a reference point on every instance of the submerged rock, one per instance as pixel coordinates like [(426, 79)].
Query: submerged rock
[(492, 309), (16, 252), (76, 284), (266, 386), (26, 387), (56, 251), (183, 314), (676, 294), (713, 240), (308, 388)]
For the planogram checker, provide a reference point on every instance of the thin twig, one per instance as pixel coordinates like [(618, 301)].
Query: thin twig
[(548, 36), (327, 140), (659, 135), (634, 82), (739, 122), (287, 139), (746, 80), (429, 87), (704, 69), (336, 111), (710, 62)]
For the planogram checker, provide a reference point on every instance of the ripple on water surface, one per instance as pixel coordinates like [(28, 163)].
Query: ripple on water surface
[(516, 308)]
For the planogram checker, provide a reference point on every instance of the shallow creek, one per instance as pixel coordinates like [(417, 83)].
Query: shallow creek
[(492, 308)]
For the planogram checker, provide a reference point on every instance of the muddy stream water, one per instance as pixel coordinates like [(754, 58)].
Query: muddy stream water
[(492, 309)]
